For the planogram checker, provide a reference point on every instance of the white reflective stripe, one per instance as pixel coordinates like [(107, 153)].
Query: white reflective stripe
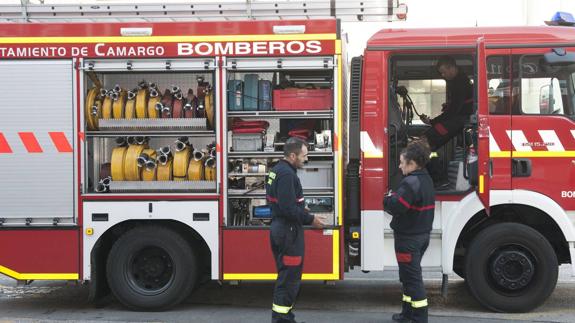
[(367, 146), (519, 140), (493, 146), (281, 309), (300, 199), (419, 304), (550, 136)]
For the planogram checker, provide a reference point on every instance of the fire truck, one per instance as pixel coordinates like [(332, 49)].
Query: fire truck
[(133, 154)]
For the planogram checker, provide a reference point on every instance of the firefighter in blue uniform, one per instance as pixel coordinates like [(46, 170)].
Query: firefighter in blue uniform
[(285, 195), (456, 111), (412, 207)]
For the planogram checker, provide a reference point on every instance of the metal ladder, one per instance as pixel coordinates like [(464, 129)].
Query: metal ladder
[(345, 10)]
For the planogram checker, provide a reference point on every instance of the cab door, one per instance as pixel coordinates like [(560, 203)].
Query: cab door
[(484, 160)]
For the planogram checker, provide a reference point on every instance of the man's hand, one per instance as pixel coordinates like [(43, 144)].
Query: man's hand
[(425, 119), (319, 221)]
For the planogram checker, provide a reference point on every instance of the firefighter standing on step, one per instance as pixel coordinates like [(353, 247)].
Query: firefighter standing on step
[(412, 207), (285, 195)]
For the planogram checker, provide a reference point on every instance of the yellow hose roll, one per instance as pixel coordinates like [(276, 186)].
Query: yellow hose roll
[(130, 109), (117, 167), (118, 105), (210, 169), (181, 162), (149, 174), (142, 104), (131, 170), (209, 109), (180, 179), (164, 172), (210, 173), (91, 99), (107, 107), (152, 112), (196, 170)]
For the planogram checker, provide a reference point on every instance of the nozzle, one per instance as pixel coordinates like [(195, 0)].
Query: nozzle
[(210, 162), (198, 155), (151, 164), (121, 141), (140, 140), (143, 159), (132, 94), (165, 150), (131, 140), (163, 159)]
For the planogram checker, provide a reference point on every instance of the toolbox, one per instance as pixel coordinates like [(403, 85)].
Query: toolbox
[(251, 92), (264, 95), (235, 95), (317, 175), (250, 141), (303, 99)]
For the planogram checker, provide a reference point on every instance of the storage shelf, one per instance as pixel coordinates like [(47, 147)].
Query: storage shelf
[(177, 124), (247, 174), (233, 193), (275, 154), (323, 114), (161, 186), (157, 133)]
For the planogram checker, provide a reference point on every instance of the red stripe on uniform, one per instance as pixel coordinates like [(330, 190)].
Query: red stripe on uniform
[(403, 257), (4, 146), (440, 129), (272, 199), (413, 207), (291, 260), (30, 142), (61, 142)]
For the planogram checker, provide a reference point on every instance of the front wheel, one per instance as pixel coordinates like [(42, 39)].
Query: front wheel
[(510, 267), (151, 268)]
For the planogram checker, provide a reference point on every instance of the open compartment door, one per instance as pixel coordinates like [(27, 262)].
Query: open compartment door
[(484, 161)]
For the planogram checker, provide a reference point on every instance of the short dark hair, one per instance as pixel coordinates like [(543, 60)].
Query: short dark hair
[(445, 61), (418, 151), (293, 145)]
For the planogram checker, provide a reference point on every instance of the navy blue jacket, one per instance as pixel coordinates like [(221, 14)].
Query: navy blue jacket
[(285, 195), (412, 205)]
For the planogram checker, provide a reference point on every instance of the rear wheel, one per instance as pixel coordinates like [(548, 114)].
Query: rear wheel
[(510, 267), (151, 268)]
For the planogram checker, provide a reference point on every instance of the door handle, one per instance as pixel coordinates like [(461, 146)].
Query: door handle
[(521, 167)]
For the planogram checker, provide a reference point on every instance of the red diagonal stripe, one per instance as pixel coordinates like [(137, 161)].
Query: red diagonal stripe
[(4, 146), (61, 142), (30, 142)]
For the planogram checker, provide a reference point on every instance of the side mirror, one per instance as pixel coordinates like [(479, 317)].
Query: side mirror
[(559, 57)]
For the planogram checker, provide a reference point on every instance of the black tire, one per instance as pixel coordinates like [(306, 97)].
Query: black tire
[(151, 269), (510, 267)]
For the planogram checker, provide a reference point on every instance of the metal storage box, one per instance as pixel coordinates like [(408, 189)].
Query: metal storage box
[(248, 141), (317, 175)]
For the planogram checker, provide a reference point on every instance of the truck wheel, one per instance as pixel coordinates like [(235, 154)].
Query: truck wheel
[(510, 267), (151, 268)]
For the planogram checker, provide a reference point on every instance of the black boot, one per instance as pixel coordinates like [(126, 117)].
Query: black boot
[(405, 315), (419, 315)]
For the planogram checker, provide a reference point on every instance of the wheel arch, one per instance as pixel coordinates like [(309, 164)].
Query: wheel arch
[(530, 208), (99, 253)]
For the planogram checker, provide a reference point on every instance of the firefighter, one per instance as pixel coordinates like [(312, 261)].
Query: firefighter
[(285, 195), (412, 207), (456, 110)]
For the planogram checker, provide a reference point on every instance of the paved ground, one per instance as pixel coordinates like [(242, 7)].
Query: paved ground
[(360, 298)]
